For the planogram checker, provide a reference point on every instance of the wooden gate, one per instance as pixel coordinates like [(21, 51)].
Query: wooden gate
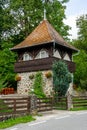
[(60, 103), (44, 104)]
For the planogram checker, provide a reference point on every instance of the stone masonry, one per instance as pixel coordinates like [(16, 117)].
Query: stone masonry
[(25, 85)]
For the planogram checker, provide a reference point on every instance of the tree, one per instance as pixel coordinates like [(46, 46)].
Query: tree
[(82, 33), (1, 21), (7, 59), (61, 78), (6, 20), (80, 76), (22, 16), (2, 83), (56, 15)]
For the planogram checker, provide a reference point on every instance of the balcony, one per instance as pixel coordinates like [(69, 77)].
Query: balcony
[(40, 64)]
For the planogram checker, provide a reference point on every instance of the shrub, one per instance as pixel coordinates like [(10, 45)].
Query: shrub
[(61, 78)]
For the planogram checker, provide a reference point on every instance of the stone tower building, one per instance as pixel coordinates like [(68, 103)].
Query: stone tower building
[(37, 53)]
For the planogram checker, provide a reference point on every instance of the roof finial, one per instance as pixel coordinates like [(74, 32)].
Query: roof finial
[(44, 14)]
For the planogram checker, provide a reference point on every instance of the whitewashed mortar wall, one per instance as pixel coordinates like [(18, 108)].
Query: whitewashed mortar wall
[(25, 85)]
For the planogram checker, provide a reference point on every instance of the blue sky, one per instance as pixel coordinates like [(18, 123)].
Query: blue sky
[(74, 9)]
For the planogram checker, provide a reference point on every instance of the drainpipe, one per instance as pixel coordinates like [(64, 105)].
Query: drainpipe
[(75, 54), (53, 47)]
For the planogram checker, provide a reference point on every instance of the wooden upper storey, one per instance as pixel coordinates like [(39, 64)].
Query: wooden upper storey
[(42, 57), (44, 51)]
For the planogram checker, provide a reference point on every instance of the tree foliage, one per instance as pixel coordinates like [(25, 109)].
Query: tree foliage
[(61, 78), (2, 83), (80, 74), (81, 42), (22, 16), (81, 60), (7, 59), (56, 15)]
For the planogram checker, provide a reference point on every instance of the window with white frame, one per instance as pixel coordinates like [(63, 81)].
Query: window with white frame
[(42, 54), (27, 57)]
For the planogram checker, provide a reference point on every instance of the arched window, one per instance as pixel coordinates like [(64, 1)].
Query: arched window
[(26, 57), (42, 54)]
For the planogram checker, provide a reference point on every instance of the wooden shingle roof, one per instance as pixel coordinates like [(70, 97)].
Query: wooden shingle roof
[(43, 33)]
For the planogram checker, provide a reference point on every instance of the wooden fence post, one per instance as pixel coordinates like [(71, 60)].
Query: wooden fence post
[(14, 105), (69, 101), (28, 104), (66, 103), (52, 103)]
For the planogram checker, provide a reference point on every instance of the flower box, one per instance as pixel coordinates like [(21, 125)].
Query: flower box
[(48, 74), (17, 78)]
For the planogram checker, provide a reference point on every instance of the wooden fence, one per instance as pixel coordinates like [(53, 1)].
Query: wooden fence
[(44, 104), (15, 105), (24, 105), (60, 103), (79, 102), (64, 103)]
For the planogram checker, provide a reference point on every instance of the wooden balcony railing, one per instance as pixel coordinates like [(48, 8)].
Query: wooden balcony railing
[(40, 64)]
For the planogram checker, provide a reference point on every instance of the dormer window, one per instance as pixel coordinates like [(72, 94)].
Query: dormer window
[(27, 57), (42, 54)]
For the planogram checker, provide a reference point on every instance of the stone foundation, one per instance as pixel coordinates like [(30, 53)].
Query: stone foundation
[(25, 85)]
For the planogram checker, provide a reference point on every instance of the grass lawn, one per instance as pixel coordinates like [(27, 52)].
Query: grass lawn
[(78, 109), (3, 107), (18, 120)]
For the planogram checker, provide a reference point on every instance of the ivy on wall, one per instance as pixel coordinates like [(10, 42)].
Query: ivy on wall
[(38, 85)]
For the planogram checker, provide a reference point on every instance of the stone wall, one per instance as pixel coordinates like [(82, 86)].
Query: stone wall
[(25, 85)]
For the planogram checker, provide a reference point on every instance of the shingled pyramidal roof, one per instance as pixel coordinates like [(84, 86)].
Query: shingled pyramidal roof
[(43, 33)]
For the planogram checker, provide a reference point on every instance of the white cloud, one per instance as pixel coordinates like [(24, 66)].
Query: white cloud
[(71, 21)]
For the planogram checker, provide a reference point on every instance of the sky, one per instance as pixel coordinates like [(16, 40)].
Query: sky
[(74, 9)]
